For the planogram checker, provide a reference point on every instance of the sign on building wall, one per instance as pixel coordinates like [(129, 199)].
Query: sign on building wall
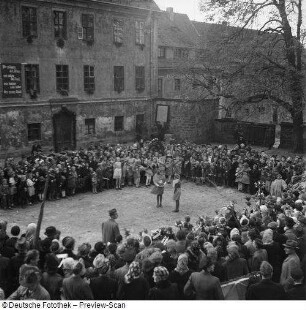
[(162, 113), (11, 78)]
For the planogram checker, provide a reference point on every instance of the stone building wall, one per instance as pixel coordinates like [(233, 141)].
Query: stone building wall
[(191, 120)]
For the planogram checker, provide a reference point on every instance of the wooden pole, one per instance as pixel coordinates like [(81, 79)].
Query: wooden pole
[(41, 213)]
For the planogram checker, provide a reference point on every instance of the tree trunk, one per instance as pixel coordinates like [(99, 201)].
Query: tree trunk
[(298, 132)]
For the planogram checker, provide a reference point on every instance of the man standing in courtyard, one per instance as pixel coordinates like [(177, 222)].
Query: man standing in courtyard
[(110, 228)]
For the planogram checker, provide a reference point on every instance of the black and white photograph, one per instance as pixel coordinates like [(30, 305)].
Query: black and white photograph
[(152, 151)]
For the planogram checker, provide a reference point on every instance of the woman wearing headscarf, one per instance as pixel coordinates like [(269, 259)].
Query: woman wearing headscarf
[(274, 253), (180, 274), (30, 235), (134, 285), (234, 266), (164, 289), (103, 287)]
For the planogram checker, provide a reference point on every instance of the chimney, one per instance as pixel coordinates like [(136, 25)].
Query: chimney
[(170, 13)]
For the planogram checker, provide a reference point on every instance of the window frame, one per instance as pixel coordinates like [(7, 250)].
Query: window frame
[(162, 55), (140, 78), (177, 84), (61, 32), (32, 137), (139, 32), (29, 25), (119, 79), (118, 25), (60, 78), (181, 53), (121, 124), (89, 78), (31, 79), (90, 123), (88, 25)]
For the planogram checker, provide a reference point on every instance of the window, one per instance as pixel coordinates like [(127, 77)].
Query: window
[(161, 52), (139, 32), (118, 78), (88, 27), (160, 88), (32, 79), (89, 78), (118, 123), (177, 84), (181, 53), (140, 77), (29, 21), (62, 78), (261, 109), (118, 31), (34, 131), (90, 126), (60, 24)]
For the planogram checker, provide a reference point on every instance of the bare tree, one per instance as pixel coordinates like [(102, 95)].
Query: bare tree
[(259, 57)]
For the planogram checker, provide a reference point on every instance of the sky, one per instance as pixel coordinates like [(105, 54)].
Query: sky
[(189, 7)]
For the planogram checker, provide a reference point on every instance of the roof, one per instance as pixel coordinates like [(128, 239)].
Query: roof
[(178, 32)]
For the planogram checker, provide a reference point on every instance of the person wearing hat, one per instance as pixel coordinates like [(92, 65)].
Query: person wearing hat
[(159, 181), (30, 288), (234, 266), (266, 289), (17, 261), (134, 286), (164, 289), (289, 263), (180, 274), (202, 285), (103, 287), (51, 280), (274, 252), (110, 228)]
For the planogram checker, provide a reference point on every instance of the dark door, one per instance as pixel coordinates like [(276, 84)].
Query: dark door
[(139, 124), (64, 130)]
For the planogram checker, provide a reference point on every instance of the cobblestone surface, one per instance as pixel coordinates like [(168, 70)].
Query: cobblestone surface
[(81, 216)]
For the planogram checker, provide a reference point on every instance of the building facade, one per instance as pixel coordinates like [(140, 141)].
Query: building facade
[(76, 71)]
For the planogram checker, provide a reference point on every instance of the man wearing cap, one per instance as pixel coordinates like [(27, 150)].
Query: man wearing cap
[(289, 263), (110, 228)]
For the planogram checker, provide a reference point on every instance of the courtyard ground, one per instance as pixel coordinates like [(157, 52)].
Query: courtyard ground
[(81, 216)]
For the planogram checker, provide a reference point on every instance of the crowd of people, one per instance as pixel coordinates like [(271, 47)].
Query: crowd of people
[(102, 167), (264, 243)]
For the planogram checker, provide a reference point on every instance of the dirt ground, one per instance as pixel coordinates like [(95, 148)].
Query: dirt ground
[(81, 216)]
